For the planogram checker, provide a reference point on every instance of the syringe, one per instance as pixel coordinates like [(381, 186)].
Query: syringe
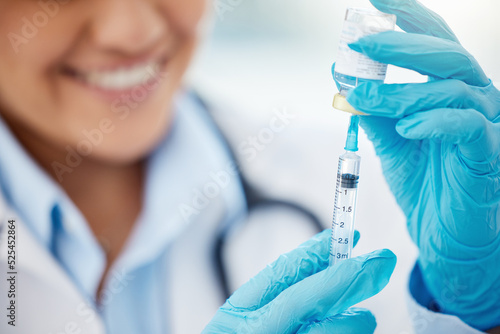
[(345, 197), (351, 69)]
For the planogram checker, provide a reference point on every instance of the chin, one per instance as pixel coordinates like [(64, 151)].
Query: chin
[(129, 147), (115, 142)]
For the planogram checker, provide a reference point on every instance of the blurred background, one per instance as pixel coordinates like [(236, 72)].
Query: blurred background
[(263, 55)]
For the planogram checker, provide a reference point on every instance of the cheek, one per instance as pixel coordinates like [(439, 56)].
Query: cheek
[(35, 41), (185, 16), (36, 35)]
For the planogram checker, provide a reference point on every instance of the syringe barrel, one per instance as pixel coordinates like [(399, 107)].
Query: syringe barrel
[(349, 163), (345, 207)]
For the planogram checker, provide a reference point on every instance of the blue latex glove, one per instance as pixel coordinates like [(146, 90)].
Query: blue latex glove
[(300, 293), (439, 144)]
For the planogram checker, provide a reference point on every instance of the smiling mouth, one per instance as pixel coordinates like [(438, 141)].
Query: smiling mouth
[(119, 79)]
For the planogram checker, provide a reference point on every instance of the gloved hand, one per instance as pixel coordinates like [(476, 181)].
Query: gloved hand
[(439, 144), (300, 293)]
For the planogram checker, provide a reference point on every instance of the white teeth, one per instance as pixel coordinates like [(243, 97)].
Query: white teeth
[(123, 78)]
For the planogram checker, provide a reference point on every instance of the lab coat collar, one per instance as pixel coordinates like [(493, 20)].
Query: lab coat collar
[(35, 196), (26, 185), (44, 289)]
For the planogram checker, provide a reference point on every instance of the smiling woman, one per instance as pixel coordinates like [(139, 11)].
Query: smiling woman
[(104, 74)]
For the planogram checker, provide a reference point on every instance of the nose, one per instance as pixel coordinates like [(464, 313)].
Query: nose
[(127, 26)]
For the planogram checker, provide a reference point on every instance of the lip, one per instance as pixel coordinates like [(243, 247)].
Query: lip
[(151, 68), (86, 63)]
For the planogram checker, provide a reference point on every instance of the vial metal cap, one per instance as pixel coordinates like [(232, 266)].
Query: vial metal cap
[(340, 103)]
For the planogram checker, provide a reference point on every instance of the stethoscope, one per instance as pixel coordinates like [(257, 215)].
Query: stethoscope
[(254, 200)]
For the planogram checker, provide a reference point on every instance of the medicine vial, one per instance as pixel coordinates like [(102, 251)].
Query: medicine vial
[(352, 67)]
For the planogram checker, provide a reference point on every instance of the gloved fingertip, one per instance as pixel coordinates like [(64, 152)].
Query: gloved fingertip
[(379, 44), (356, 101), (363, 96), (356, 46), (364, 89), (359, 311), (402, 128), (353, 321), (382, 253), (408, 128), (364, 318), (383, 259), (357, 235)]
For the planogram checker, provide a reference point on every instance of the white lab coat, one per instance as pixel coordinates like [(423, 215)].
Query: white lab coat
[(47, 302)]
